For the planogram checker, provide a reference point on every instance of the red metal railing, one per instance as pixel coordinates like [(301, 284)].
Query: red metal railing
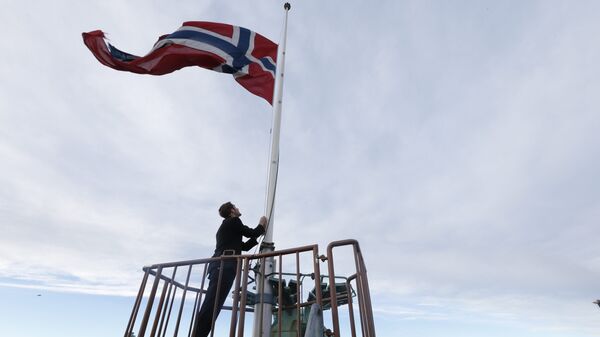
[(167, 303)]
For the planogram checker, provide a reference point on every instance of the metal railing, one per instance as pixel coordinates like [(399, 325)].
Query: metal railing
[(168, 301)]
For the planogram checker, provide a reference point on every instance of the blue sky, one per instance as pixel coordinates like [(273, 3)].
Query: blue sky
[(459, 138)]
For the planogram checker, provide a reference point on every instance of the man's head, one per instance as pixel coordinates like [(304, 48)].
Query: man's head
[(229, 210)]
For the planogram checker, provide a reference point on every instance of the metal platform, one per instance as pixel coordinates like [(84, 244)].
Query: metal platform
[(305, 302)]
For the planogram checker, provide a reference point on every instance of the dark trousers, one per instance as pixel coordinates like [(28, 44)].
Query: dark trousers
[(205, 315)]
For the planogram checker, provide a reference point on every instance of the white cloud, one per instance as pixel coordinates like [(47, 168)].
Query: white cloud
[(457, 144)]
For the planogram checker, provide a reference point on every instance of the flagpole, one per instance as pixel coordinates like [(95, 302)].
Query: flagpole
[(263, 309), (276, 130)]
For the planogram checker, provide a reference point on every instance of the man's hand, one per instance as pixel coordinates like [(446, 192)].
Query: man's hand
[(263, 221)]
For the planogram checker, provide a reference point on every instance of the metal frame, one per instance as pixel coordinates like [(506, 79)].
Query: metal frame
[(157, 309)]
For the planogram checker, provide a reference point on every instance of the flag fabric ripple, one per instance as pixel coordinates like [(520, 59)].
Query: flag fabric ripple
[(248, 56)]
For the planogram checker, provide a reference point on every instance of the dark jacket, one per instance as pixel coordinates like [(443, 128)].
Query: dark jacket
[(229, 236)]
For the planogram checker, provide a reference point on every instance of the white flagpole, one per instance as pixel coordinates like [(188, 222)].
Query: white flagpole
[(263, 309), (276, 130)]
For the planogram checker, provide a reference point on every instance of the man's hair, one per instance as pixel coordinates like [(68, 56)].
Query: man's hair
[(225, 209)]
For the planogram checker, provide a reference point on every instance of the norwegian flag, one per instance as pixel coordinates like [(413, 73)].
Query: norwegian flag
[(248, 56)]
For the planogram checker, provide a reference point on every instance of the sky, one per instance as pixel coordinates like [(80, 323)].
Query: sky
[(456, 141)]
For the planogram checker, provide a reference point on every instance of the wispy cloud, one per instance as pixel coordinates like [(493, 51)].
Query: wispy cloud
[(458, 144)]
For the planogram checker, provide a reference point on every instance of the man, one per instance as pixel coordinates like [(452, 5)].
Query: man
[(229, 242)]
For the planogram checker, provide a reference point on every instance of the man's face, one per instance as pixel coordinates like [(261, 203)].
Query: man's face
[(235, 212)]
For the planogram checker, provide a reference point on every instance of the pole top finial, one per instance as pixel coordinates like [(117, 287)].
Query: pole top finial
[(287, 6)]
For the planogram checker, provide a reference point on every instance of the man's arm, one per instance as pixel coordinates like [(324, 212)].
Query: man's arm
[(257, 231), (246, 246)]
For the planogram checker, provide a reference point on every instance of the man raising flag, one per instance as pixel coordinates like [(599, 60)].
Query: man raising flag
[(255, 62)]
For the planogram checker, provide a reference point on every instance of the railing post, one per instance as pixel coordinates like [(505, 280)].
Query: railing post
[(351, 305), (167, 312), (197, 307), (187, 282), (159, 310), (196, 303), (298, 288), (333, 294), (279, 296), (364, 297), (317, 270), (236, 297), (136, 306), (368, 309), (150, 302), (218, 293), (243, 299)]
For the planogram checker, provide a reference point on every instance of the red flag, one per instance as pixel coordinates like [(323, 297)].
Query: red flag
[(248, 56)]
